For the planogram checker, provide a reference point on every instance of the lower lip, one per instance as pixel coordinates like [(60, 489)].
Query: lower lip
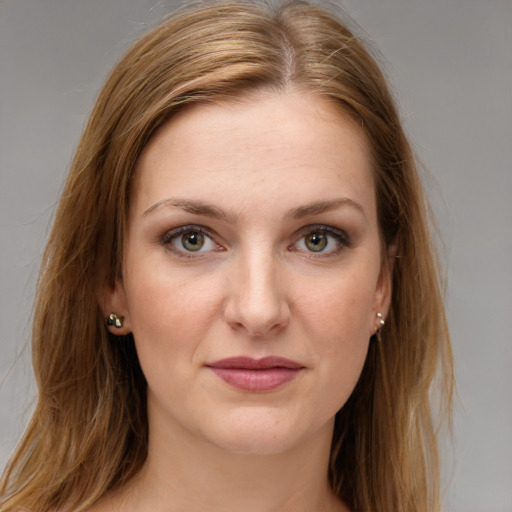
[(258, 380)]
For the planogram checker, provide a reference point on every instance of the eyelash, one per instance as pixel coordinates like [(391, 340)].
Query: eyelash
[(342, 240), (173, 234)]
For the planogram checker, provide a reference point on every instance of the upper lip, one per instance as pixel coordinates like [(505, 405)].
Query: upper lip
[(248, 363)]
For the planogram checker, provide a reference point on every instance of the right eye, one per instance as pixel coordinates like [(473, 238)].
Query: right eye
[(189, 240)]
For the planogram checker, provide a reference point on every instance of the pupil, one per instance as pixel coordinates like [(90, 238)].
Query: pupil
[(316, 242), (193, 241)]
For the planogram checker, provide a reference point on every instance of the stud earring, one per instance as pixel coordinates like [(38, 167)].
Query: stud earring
[(115, 321), (381, 320)]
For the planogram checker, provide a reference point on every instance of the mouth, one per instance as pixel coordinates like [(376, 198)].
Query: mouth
[(256, 375)]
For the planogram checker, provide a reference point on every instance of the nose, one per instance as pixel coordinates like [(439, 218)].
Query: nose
[(257, 303)]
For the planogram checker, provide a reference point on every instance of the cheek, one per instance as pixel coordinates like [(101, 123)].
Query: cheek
[(168, 312), (338, 309), (336, 317)]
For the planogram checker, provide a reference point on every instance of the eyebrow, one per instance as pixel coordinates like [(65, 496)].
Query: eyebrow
[(195, 207), (210, 210), (324, 206)]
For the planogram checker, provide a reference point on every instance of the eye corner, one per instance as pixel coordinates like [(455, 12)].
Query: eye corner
[(174, 241), (324, 241)]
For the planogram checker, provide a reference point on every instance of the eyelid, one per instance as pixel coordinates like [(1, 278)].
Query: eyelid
[(343, 239), (341, 235), (169, 235), (174, 232)]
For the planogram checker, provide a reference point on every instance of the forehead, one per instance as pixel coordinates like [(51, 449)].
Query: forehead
[(289, 146)]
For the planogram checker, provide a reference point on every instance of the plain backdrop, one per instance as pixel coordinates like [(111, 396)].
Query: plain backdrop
[(450, 64)]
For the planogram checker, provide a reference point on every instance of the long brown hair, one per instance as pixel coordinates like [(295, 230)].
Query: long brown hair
[(88, 433)]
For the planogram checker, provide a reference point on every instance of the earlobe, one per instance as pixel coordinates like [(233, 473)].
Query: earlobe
[(112, 302), (382, 299), (384, 290)]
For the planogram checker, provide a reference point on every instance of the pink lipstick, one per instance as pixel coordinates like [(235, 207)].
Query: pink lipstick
[(256, 375)]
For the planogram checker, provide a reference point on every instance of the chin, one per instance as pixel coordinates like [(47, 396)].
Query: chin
[(255, 443), (263, 434)]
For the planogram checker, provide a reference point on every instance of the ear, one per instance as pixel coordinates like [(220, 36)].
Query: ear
[(384, 289), (112, 299)]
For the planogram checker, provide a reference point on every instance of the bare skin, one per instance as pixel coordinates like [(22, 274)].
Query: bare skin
[(252, 484), (252, 233)]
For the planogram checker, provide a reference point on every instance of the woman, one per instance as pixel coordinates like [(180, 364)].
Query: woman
[(239, 304)]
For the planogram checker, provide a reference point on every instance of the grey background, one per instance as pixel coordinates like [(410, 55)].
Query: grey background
[(450, 63)]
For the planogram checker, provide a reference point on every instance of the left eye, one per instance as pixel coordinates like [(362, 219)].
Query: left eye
[(320, 241), (192, 240)]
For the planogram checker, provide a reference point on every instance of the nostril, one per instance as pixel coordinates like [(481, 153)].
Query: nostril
[(256, 300), (257, 321)]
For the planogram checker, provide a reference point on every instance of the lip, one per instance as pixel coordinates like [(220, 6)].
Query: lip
[(256, 375)]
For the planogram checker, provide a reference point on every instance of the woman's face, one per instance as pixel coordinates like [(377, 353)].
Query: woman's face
[(252, 272)]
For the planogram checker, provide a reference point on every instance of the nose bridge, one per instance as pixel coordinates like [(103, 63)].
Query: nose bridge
[(257, 301)]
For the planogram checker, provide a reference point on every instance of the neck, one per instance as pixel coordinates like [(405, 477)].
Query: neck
[(184, 474)]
